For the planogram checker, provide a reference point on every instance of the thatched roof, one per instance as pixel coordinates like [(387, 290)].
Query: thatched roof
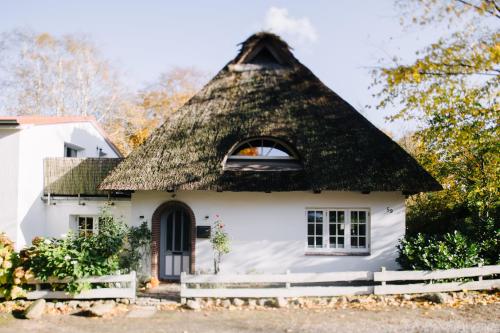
[(266, 91)]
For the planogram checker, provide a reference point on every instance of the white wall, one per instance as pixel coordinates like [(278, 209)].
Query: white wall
[(268, 230), (34, 143), (59, 216), (9, 164)]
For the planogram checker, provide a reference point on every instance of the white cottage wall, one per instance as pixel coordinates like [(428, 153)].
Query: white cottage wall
[(60, 214), (9, 164), (268, 230)]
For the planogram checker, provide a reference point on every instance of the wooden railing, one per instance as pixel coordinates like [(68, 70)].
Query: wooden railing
[(433, 284), (354, 283), (122, 286)]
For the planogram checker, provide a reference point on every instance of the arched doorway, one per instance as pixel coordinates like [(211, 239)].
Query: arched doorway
[(173, 240)]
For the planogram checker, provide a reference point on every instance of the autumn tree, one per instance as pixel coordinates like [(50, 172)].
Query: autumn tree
[(452, 89), (41, 74)]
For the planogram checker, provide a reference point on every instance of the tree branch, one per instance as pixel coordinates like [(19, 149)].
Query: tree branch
[(480, 9)]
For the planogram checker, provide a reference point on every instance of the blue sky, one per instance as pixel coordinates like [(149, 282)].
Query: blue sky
[(339, 40)]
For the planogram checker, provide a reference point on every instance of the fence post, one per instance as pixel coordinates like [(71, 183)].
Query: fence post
[(287, 284), (133, 282), (382, 270), (480, 277), (183, 286)]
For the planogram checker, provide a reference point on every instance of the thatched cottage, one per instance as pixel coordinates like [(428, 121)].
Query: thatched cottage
[(302, 181)]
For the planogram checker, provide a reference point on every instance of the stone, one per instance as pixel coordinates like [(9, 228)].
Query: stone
[(406, 297), (35, 310), (238, 302), (50, 305), (438, 298), (252, 303), (208, 302), (193, 304), (59, 305), (281, 302), (73, 304), (84, 305), (262, 301), (299, 302), (124, 301), (342, 300), (101, 309), (141, 312), (226, 303)]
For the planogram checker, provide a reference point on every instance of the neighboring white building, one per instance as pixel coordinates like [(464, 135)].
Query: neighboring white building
[(25, 142)]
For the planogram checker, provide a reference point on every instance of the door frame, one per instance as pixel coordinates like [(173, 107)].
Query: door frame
[(156, 239)]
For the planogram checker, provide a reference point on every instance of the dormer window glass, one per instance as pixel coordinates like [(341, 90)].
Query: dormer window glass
[(262, 154)]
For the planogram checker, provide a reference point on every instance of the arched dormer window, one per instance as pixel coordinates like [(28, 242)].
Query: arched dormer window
[(262, 154)]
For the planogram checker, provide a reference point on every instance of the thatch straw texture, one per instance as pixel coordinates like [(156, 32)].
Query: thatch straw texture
[(338, 148)]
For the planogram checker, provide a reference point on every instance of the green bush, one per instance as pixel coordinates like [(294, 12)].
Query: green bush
[(137, 246), (78, 256), (453, 250)]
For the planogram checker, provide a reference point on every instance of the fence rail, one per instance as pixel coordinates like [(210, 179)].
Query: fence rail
[(295, 285), (124, 287)]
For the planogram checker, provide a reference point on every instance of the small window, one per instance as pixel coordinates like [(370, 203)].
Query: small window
[(262, 154), (87, 225), (344, 230), (71, 150)]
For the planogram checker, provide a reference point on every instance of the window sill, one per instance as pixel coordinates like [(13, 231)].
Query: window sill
[(337, 254)]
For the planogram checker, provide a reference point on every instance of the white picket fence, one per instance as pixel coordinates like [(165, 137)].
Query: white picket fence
[(123, 286), (360, 283)]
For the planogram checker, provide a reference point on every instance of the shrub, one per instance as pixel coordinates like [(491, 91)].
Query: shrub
[(78, 256), (11, 275), (429, 252), (137, 246)]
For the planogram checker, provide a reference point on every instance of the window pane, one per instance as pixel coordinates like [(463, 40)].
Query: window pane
[(362, 229), (319, 241), (319, 229), (354, 229), (362, 217), (354, 217), (332, 242), (310, 216), (81, 223), (340, 241), (340, 229), (341, 217), (177, 230), (310, 241), (354, 241), (333, 216), (90, 223), (310, 229), (169, 234), (319, 216), (362, 242)]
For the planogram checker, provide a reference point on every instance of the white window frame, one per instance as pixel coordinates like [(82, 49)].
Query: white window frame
[(95, 223), (347, 249)]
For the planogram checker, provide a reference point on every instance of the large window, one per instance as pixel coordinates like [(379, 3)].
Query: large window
[(338, 230)]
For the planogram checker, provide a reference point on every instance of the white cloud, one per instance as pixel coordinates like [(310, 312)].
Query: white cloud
[(280, 22)]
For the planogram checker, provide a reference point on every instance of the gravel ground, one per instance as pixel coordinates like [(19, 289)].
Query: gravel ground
[(472, 318)]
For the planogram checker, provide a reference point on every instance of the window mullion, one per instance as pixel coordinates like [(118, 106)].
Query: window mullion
[(326, 229), (347, 229)]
